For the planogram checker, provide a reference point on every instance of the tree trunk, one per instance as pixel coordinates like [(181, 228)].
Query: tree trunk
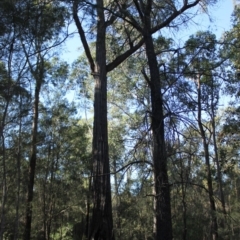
[(184, 204), (214, 225), (4, 174), (19, 153), (32, 165), (219, 174), (38, 75), (101, 223), (162, 189), (117, 202)]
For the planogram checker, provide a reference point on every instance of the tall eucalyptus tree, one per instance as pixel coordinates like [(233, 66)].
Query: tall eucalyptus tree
[(38, 24), (148, 17), (14, 98), (203, 64), (101, 224)]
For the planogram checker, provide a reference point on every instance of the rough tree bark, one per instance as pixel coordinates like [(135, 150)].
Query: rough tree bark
[(147, 26), (101, 222), (162, 188), (100, 225)]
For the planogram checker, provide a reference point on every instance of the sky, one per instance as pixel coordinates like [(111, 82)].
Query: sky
[(217, 21), (221, 17), (220, 21)]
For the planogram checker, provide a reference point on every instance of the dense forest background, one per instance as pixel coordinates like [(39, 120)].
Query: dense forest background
[(137, 139)]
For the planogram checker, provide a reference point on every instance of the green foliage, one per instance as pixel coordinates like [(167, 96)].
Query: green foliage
[(28, 33)]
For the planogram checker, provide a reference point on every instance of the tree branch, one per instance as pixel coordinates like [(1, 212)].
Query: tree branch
[(139, 10), (174, 15), (132, 163), (82, 35), (118, 60)]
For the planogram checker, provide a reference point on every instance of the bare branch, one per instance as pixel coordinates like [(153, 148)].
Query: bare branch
[(174, 15), (82, 35), (132, 163), (119, 59)]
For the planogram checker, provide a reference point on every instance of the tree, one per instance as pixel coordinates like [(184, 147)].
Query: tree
[(34, 31), (158, 133), (203, 70), (11, 92), (151, 17), (101, 225)]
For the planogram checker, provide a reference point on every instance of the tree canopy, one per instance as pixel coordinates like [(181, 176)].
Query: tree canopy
[(136, 137)]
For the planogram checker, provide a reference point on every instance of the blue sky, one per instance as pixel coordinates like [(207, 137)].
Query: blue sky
[(220, 21), (221, 16)]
